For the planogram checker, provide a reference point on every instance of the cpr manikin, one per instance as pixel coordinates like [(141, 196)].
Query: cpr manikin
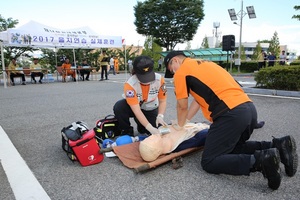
[(155, 145)]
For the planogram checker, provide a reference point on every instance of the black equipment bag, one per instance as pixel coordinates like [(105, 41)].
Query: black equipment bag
[(107, 128), (72, 132)]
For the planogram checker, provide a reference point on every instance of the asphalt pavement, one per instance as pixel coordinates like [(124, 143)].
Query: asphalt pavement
[(32, 117)]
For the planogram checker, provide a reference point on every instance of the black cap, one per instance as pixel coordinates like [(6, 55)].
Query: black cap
[(143, 68), (171, 55)]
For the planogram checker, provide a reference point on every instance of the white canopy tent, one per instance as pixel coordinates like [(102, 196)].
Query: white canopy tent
[(34, 34)]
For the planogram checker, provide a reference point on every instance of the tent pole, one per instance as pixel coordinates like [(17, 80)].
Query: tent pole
[(74, 58), (56, 62), (55, 56), (3, 66), (75, 62), (125, 63)]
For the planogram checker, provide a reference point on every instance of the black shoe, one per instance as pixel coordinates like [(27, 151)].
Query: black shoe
[(101, 79), (87, 79), (267, 162), (143, 131), (74, 79), (128, 132), (34, 81), (13, 84), (40, 81), (259, 124), (288, 155), (23, 83)]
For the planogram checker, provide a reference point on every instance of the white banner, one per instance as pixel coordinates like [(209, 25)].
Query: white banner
[(34, 34)]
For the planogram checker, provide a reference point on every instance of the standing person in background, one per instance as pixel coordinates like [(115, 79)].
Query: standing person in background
[(271, 59), (116, 64), (282, 58), (36, 68), (104, 63), (160, 62), (130, 67), (14, 73), (112, 65), (265, 59), (233, 115)]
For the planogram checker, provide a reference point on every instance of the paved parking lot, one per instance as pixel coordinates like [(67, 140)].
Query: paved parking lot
[(33, 115)]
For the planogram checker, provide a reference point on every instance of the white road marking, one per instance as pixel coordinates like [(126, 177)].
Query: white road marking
[(22, 181)]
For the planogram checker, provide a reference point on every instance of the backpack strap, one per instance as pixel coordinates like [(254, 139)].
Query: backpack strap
[(71, 155), (110, 116)]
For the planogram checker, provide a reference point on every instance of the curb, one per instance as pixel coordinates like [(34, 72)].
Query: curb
[(272, 92)]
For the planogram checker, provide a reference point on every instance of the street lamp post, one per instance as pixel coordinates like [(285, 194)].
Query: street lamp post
[(241, 14), (138, 47), (240, 40), (216, 26), (3, 65)]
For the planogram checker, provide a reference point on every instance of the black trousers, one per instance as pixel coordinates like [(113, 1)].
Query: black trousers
[(227, 149), (34, 74), (13, 75), (261, 65), (103, 71), (271, 63), (159, 67), (83, 72), (123, 114)]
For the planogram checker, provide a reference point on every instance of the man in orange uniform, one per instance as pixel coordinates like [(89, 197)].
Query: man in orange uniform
[(66, 69), (145, 99), (116, 64), (233, 116)]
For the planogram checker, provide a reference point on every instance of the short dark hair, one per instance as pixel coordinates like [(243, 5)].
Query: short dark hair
[(170, 55)]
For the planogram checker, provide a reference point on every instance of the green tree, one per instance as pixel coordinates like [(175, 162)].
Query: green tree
[(296, 16), (274, 46), (243, 54), (11, 52), (7, 23), (188, 45), (48, 59), (257, 51), (265, 41), (204, 44), (127, 52), (218, 44), (169, 21), (152, 49)]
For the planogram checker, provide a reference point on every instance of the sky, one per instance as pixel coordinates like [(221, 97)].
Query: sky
[(116, 18)]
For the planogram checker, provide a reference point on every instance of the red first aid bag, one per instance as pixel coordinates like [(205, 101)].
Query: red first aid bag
[(87, 149)]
